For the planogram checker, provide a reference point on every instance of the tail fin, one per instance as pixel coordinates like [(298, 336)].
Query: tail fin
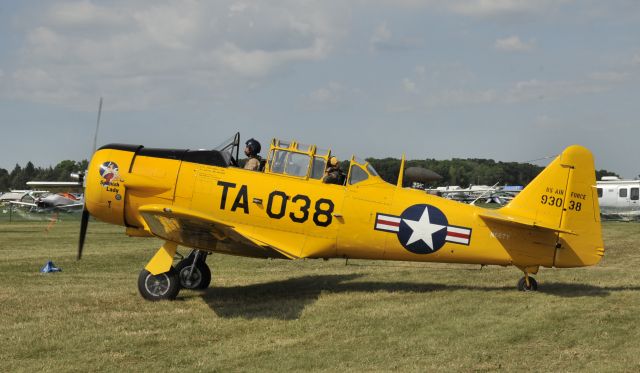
[(563, 198)]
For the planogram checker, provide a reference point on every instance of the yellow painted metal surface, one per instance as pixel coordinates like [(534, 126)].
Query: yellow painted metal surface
[(161, 262), (287, 211)]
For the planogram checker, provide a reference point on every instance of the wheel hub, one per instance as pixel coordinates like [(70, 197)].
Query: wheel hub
[(190, 281), (157, 285)]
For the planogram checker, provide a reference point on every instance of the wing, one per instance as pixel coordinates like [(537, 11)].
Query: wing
[(195, 229), (23, 203), (71, 205), (452, 191), (54, 183)]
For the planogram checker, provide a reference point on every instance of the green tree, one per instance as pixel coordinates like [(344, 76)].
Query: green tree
[(4, 180), (18, 180), (601, 173)]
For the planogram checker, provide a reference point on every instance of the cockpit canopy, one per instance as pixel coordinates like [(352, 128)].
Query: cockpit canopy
[(298, 160), (294, 159), (229, 149)]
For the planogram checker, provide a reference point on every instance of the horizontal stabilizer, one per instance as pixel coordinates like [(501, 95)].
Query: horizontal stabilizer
[(521, 221)]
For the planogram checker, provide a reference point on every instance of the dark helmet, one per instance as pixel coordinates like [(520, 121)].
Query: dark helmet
[(254, 146)]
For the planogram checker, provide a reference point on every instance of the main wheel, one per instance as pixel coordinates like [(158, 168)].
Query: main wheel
[(200, 278), (164, 286), (522, 284)]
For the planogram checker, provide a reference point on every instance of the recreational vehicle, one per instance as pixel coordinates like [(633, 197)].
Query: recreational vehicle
[(619, 199)]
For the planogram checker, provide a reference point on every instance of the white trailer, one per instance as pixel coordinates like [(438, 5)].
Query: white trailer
[(619, 199)]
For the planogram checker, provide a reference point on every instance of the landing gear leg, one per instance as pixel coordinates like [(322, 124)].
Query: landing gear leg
[(527, 283), (159, 280), (193, 271)]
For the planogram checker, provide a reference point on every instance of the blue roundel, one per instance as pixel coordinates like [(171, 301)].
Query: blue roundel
[(423, 229)]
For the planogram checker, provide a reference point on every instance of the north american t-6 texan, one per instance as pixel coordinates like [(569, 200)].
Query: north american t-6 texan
[(203, 200)]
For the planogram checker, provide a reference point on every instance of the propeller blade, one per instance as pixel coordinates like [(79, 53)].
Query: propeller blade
[(84, 222), (95, 137)]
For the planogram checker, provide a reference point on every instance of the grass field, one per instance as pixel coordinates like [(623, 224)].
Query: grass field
[(309, 315)]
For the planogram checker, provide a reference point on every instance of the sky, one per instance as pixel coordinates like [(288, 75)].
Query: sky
[(511, 80)]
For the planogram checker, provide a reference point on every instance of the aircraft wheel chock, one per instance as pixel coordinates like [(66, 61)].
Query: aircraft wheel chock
[(200, 277), (164, 286), (522, 284)]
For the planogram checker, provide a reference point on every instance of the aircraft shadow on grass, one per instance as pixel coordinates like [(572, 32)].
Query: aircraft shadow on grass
[(573, 290), (285, 300)]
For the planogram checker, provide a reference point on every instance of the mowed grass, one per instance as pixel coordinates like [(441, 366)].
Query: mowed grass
[(309, 315)]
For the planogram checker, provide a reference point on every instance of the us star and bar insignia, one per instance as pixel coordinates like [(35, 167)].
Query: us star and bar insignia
[(423, 229)]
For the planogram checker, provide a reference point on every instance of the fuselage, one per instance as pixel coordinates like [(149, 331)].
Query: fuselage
[(368, 219)]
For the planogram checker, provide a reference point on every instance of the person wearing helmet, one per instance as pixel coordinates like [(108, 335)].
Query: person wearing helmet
[(333, 174), (251, 150)]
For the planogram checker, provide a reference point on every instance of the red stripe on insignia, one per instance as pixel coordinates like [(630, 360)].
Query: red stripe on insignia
[(386, 222), (459, 235)]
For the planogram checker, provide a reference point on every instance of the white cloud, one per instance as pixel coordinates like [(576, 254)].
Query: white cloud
[(381, 36), (519, 92), (142, 54), (409, 85), (513, 44), (238, 7), (490, 8), (543, 121), (260, 62), (484, 8), (609, 76), (335, 94), (544, 90), (383, 39), (460, 97), (329, 94), (84, 14)]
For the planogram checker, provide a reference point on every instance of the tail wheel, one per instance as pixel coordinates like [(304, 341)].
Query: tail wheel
[(522, 284), (164, 286), (200, 276)]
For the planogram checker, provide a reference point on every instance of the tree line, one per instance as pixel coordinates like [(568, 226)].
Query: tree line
[(454, 172), (465, 172), (19, 176)]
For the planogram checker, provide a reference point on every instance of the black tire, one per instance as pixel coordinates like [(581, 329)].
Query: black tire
[(164, 286), (201, 277), (522, 284)]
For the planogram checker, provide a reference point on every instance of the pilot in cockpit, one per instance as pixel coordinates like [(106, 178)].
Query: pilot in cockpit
[(252, 149), (333, 174)]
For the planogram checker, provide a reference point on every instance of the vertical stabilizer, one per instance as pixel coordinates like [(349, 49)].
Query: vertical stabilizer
[(564, 196)]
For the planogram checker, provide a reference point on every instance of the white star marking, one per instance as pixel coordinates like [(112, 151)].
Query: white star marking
[(423, 229)]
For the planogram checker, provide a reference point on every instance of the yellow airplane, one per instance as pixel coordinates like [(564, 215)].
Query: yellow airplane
[(202, 200)]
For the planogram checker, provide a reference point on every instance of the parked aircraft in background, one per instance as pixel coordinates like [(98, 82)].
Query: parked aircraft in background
[(51, 202), (21, 195), (478, 193)]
